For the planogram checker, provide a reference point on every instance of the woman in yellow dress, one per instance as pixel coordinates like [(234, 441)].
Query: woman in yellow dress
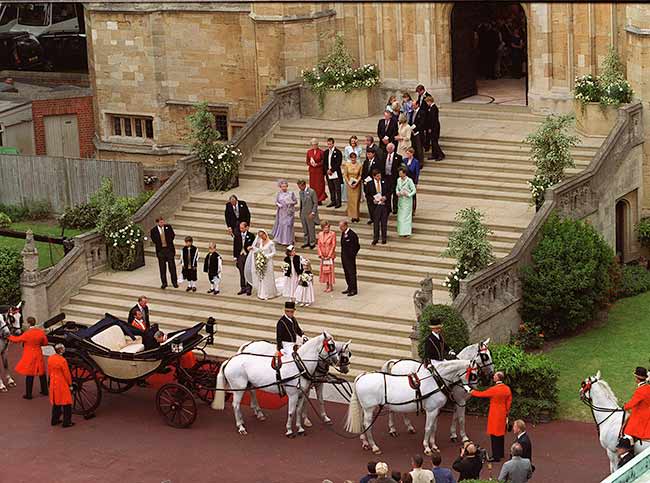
[(352, 177), (403, 136)]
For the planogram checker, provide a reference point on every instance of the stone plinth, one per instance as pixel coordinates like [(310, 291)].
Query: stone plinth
[(339, 105), (592, 119)]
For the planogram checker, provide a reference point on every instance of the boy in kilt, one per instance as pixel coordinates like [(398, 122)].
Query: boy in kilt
[(212, 266), (189, 261)]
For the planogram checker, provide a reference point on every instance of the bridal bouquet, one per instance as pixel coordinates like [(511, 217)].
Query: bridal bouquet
[(260, 263), (306, 278)]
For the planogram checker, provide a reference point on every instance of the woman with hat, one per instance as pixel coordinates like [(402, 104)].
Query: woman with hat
[(638, 424)]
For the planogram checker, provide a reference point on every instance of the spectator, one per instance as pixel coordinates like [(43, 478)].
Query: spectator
[(404, 131), (407, 106), (397, 476), (315, 164), (441, 475), (378, 191), (327, 254), (420, 128), (285, 202), (518, 469), (372, 473), (353, 146), (519, 430), (162, 235), (308, 213), (406, 478), (624, 451), (382, 473), (142, 306), (332, 162), (352, 172), (468, 464), (412, 171), (236, 212), (418, 474)]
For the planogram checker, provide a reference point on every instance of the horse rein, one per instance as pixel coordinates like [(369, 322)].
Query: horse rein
[(586, 400)]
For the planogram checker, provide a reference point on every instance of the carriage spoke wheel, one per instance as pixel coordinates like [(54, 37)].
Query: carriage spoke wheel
[(86, 389), (114, 386), (205, 379), (176, 404)]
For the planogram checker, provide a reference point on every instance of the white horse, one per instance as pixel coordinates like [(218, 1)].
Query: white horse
[(10, 324), (459, 395), (608, 416), (266, 348), (378, 389), (247, 371)]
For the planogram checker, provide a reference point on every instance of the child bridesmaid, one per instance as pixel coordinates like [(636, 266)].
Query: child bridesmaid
[(304, 294)]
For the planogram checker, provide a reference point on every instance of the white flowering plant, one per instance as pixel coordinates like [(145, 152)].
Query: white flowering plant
[(149, 180), (609, 89), (587, 89), (222, 166), (337, 72), (452, 281)]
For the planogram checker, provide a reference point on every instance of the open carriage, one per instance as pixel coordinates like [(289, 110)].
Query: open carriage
[(109, 356)]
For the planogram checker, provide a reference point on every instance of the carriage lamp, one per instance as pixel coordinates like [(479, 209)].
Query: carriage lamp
[(209, 328)]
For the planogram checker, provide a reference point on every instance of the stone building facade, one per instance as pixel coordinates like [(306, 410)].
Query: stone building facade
[(150, 62)]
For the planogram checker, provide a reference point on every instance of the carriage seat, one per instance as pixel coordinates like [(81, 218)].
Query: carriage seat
[(133, 348), (114, 339)]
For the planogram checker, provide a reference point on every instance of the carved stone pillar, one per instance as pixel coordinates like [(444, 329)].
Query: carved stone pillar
[(32, 285)]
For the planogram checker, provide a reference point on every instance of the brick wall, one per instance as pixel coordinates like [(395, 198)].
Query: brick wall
[(82, 107)]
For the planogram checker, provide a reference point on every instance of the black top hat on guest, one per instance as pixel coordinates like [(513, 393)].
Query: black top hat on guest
[(624, 443), (641, 372), (290, 306)]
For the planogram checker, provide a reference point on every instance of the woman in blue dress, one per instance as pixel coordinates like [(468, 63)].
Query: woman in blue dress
[(285, 202), (412, 171)]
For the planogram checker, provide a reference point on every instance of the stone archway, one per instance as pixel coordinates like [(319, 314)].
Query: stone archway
[(474, 53)]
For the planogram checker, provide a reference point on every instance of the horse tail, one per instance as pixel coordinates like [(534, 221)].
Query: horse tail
[(354, 421), (219, 401)]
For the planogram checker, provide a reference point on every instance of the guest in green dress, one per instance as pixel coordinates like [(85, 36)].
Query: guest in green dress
[(405, 192)]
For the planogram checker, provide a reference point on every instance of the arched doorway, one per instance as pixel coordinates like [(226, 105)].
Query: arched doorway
[(489, 51), (622, 217)]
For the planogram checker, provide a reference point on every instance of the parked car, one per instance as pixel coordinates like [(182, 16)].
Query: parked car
[(21, 51)]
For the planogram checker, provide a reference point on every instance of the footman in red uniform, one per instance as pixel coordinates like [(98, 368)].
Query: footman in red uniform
[(638, 425), (32, 362), (60, 382)]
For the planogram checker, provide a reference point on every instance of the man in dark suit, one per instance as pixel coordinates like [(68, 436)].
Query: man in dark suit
[(390, 174), (422, 95), (142, 306), (332, 160), (371, 163), (378, 193), (435, 347), (236, 212), (370, 144), (625, 452), (420, 123), (241, 244), (349, 249), (162, 235), (386, 130), (287, 330), (519, 430)]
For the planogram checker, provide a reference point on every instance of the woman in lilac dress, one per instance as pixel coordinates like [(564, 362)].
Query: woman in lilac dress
[(285, 201)]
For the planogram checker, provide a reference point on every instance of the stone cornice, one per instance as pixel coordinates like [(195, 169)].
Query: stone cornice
[(633, 29), (135, 7), (216, 105), (292, 18)]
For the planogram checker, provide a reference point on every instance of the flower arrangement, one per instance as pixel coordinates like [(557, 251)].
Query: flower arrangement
[(305, 279), (123, 245), (336, 72), (260, 263), (149, 180), (285, 269), (222, 166), (587, 89), (452, 281), (609, 89)]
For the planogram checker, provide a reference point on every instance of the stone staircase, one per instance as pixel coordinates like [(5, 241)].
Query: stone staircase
[(487, 166)]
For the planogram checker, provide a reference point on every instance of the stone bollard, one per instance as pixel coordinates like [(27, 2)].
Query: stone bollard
[(32, 285)]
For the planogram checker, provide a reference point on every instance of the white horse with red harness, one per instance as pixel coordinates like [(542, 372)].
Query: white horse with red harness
[(10, 324), (608, 416), (245, 371), (457, 394), (419, 390)]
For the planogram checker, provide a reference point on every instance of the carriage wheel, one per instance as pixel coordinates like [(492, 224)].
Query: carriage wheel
[(114, 386), (205, 379), (176, 404), (86, 389)]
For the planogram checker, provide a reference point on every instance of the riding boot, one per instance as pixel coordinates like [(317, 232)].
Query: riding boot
[(43, 380), (29, 384)]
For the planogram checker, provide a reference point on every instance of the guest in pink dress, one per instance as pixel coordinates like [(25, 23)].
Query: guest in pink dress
[(316, 176), (327, 253)]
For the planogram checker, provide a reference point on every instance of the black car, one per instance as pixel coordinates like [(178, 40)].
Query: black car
[(21, 51)]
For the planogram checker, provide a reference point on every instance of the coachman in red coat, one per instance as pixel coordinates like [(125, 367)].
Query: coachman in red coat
[(500, 397), (60, 382), (32, 362), (638, 425)]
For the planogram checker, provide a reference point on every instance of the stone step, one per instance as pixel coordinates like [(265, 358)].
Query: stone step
[(524, 171)]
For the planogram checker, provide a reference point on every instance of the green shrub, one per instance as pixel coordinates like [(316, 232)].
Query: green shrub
[(11, 266), (569, 278), (134, 203), (31, 210), (454, 327), (5, 221), (533, 380), (643, 231), (80, 216), (529, 337), (635, 280)]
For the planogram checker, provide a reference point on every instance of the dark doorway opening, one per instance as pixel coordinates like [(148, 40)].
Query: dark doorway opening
[(621, 228), (489, 53)]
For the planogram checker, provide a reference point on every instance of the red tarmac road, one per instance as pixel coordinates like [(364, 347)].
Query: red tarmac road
[(128, 443)]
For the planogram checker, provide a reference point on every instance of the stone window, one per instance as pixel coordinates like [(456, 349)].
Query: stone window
[(132, 126), (221, 122)]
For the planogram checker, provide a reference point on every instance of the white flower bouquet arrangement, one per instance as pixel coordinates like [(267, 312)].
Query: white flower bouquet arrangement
[(305, 278), (285, 268), (260, 263)]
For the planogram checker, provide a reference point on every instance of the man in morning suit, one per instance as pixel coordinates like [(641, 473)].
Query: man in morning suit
[(371, 163), (287, 330), (390, 174), (371, 144), (236, 212), (379, 193), (162, 235), (386, 130), (349, 249), (519, 430), (142, 306), (420, 123), (422, 95), (308, 213), (435, 347), (332, 160), (241, 245)]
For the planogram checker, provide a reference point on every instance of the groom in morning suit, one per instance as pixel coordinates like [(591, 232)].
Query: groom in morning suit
[(241, 244), (349, 249), (162, 235)]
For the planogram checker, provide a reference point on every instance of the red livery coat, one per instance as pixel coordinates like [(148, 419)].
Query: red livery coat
[(60, 380), (500, 398), (32, 362), (639, 423)]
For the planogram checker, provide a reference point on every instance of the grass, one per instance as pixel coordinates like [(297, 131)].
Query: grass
[(45, 227), (615, 349)]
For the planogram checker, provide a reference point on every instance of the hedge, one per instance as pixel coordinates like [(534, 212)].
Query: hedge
[(635, 279), (454, 327), (11, 266)]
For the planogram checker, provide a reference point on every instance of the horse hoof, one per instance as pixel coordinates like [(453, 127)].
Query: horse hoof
[(11, 383), (428, 452), (453, 439), (290, 435), (376, 450), (242, 431), (328, 421), (302, 433), (465, 439), (411, 430), (261, 417), (307, 423), (4, 389), (394, 434), (365, 446)]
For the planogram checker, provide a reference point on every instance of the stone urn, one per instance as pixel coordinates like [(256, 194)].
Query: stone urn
[(339, 105), (594, 120)]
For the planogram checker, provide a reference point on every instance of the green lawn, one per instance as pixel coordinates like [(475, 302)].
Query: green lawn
[(49, 227), (615, 349)]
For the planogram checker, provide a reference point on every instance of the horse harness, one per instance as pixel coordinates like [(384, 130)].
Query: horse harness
[(589, 403)]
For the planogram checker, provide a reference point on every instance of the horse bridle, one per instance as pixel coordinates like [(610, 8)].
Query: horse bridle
[(5, 323), (585, 388)]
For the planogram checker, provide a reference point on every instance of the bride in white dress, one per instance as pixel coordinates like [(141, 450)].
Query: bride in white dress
[(263, 283)]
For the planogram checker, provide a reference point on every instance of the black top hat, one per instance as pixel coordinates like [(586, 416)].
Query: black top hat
[(624, 443), (290, 305), (641, 372)]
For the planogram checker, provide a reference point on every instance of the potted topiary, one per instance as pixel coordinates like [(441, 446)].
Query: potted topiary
[(598, 98), (338, 90)]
